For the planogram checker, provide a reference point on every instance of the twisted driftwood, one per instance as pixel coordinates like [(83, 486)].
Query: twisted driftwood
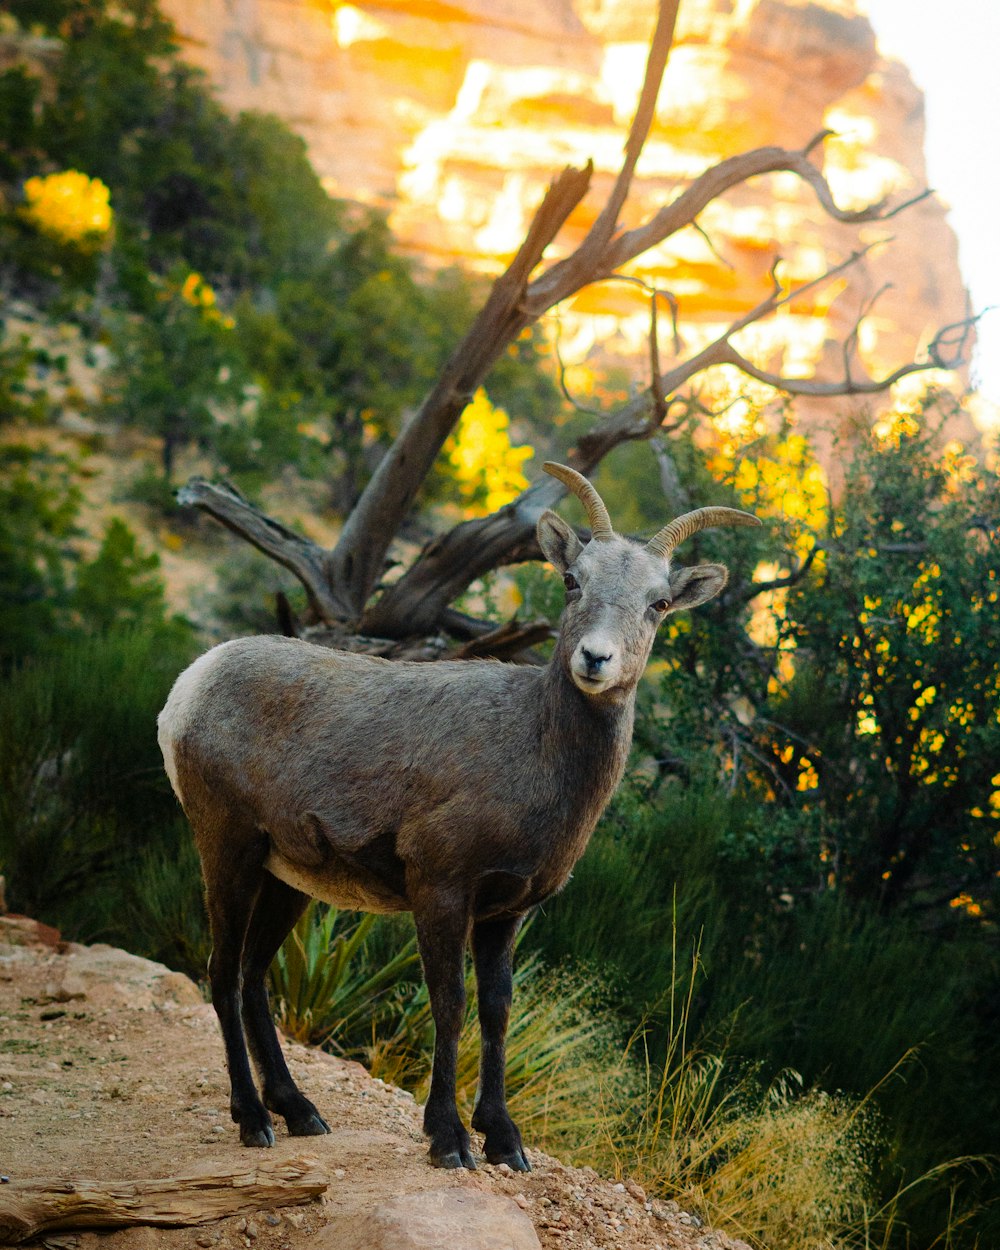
[(29, 1208)]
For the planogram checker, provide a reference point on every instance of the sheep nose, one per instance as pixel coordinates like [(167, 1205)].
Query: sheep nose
[(594, 662)]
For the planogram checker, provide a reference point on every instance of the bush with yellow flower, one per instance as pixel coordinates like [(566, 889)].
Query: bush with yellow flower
[(70, 208)]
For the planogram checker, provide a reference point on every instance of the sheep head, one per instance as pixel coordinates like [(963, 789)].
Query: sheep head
[(618, 591)]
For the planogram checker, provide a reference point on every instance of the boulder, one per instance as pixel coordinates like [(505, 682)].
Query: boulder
[(431, 1220)]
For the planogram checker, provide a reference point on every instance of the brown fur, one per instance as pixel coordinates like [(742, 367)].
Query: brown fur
[(463, 791)]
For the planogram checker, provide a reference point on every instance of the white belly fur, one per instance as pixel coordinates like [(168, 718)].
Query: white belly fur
[(340, 893)]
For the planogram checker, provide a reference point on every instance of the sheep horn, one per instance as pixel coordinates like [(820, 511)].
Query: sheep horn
[(663, 543), (597, 513)]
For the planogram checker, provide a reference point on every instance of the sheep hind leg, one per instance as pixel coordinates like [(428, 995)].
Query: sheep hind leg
[(232, 884), (493, 950), (442, 932), (275, 912)]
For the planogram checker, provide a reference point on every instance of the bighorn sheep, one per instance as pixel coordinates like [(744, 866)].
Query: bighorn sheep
[(462, 791)]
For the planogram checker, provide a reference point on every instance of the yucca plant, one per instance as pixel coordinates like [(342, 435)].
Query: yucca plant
[(324, 991)]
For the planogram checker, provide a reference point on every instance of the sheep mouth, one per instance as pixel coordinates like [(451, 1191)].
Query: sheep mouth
[(591, 684)]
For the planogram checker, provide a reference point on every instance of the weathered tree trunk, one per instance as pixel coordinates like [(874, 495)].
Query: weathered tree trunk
[(29, 1208), (340, 582)]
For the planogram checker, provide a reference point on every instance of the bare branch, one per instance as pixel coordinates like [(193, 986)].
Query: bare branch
[(301, 556), (851, 341), (659, 413), (507, 640), (563, 384), (868, 386), (580, 267), (356, 561), (696, 225), (723, 177), (736, 596)]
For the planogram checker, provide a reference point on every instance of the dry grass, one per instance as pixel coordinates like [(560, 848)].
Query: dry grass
[(784, 1168)]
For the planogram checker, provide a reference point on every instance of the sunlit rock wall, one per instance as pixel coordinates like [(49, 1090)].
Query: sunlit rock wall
[(455, 114)]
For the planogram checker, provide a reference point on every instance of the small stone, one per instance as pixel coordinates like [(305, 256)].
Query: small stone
[(619, 1188), (252, 1230), (339, 1173), (273, 1219), (295, 1218), (241, 1224), (636, 1190), (204, 1240), (522, 1201)]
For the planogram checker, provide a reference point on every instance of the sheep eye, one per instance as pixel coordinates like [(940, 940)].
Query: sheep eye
[(570, 582), (661, 605)]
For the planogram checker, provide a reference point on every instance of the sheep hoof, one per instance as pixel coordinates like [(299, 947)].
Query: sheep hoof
[(454, 1159), (257, 1137), (311, 1125), (516, 1160)]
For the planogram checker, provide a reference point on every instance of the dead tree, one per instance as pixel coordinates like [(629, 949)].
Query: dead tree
[(340, 582)]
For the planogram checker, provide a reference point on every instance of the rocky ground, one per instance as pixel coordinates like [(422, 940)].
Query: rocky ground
[(111, 1069)]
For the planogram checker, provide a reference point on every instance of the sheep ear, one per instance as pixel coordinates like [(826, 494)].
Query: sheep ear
[(558, 541), (691, 586)]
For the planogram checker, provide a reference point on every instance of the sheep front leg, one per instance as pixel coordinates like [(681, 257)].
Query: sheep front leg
[(493, 949), (442, 932)]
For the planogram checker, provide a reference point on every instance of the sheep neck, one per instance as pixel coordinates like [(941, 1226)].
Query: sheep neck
[(592, 734)]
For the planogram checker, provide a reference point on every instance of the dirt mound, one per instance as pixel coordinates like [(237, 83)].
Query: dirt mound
[(111, 1068)]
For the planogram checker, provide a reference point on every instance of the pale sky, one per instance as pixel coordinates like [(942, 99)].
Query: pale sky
[(953, 52)]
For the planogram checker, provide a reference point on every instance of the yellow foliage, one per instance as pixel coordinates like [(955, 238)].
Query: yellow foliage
[(895, 426), (867, 724), (196, 291), (808, 778), (959, 467), (924, 699), (785, 482), (69, 207), (967, 904), (484, 463)]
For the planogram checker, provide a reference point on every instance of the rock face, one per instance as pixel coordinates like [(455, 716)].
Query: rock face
[(431, 1220), (454, 115)]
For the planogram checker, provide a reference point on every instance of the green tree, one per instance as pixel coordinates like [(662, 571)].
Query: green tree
[(179, 372), (889, 727), (38, 508)]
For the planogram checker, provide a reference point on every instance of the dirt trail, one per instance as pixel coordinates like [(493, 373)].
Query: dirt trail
[(111, 1068)]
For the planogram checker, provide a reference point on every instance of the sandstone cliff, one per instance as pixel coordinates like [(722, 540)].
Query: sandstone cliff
[(454, 114)]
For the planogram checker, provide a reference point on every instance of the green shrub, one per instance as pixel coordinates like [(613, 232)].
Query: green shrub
[(83, 795), (163, 903)]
